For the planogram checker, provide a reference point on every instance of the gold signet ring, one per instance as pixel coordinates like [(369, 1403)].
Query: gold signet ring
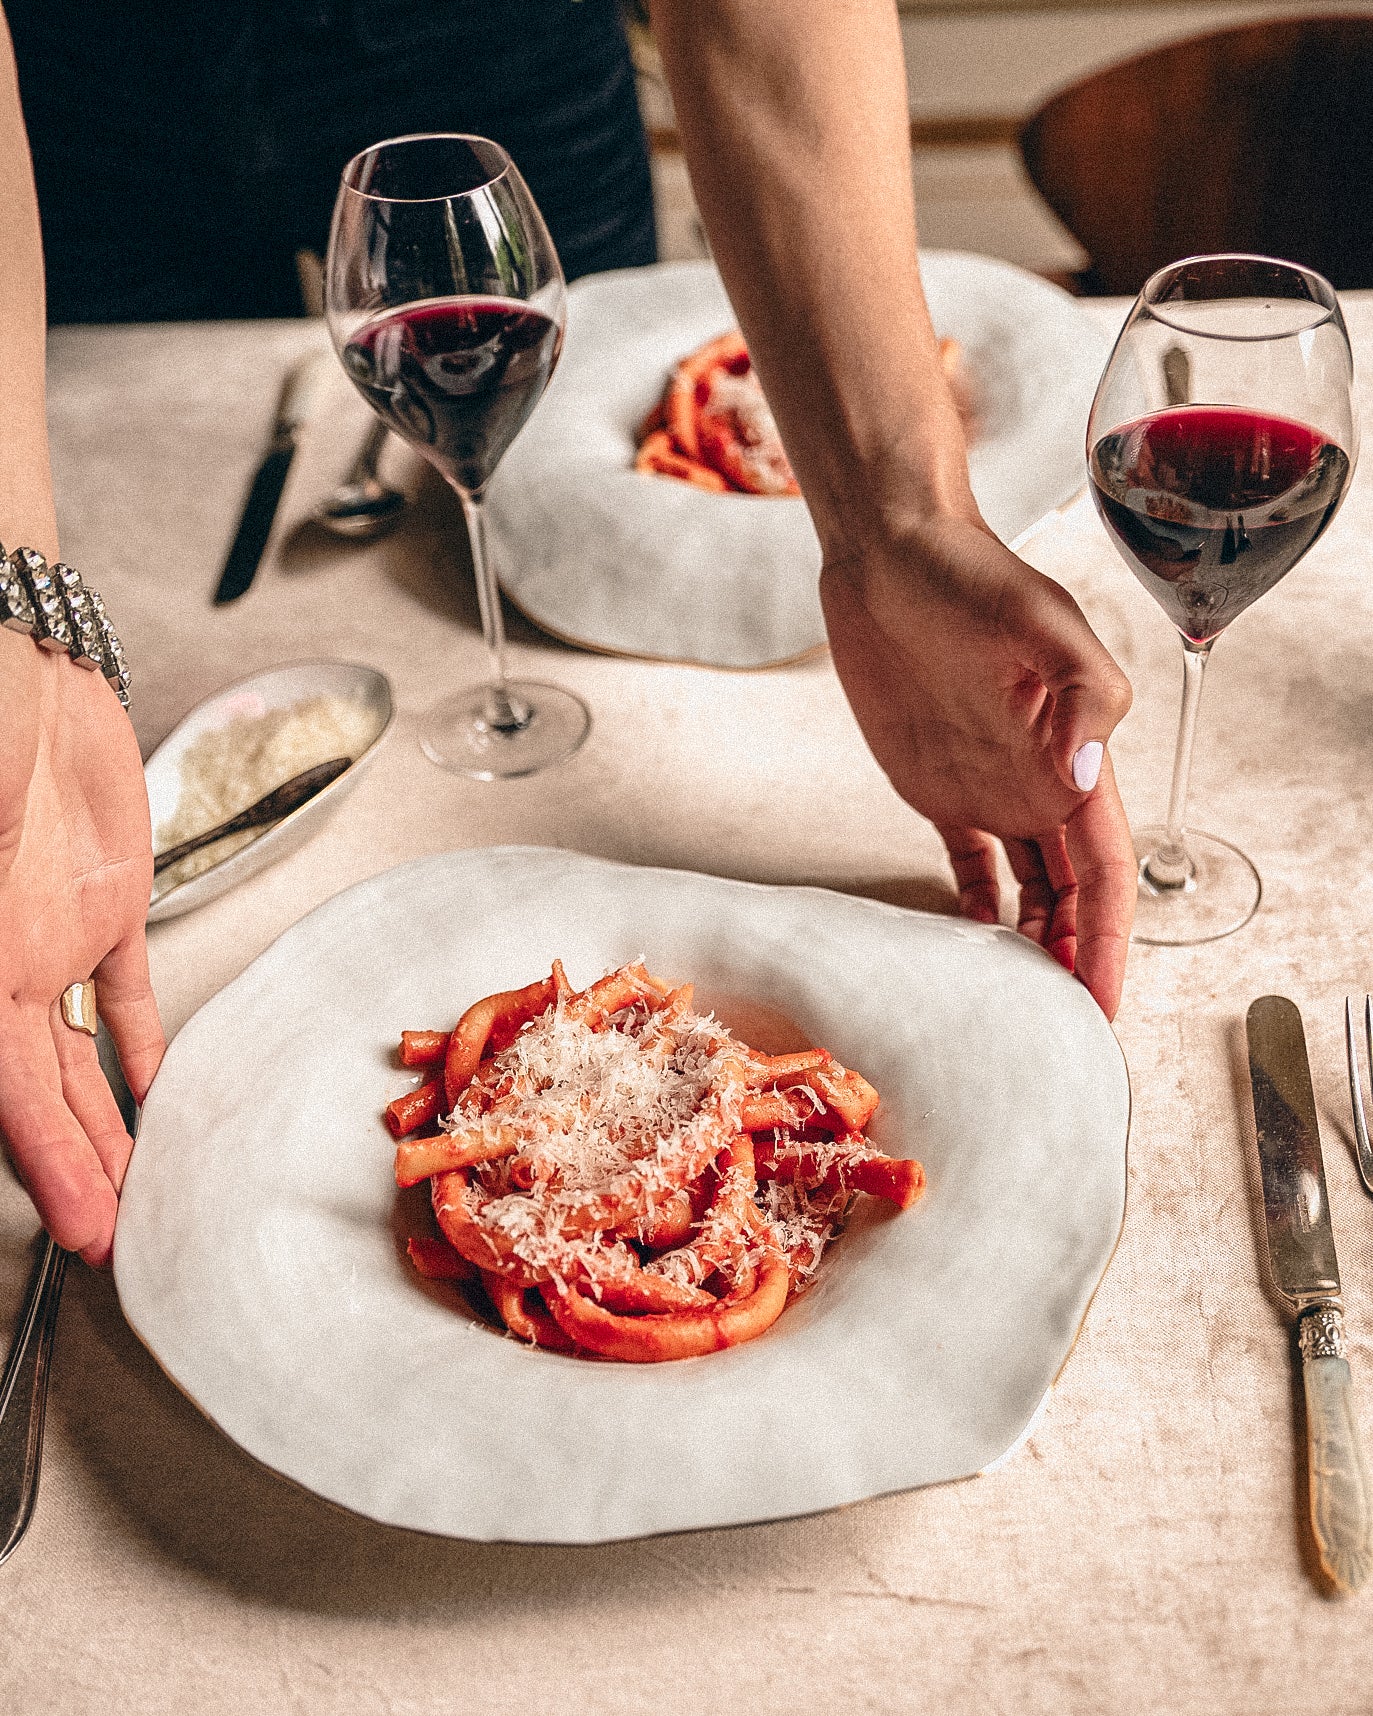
[(78, 1007)]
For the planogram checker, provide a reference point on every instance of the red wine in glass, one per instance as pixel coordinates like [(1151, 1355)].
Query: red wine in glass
[(446, 304), (456, 376), (1221, 441), (1211, 505)]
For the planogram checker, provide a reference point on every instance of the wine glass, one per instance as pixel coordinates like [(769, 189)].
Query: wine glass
[(446, 305), (1220, 444)]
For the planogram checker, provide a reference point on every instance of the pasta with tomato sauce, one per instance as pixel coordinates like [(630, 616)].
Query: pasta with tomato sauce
[(625, 1177)]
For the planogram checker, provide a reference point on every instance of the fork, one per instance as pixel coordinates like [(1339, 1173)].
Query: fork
[(1356, 1084), (23, 1398), (24, 1382)]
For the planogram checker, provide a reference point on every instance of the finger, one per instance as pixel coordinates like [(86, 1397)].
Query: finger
[(1060, 933), (51, 1154), (124, 994), (87, 1094), (973, 856), (1090, 693), (1103, 859), (1037, 897)]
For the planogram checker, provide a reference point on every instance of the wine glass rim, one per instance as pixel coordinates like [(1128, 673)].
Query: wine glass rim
[(425, 137), (1325, 306)]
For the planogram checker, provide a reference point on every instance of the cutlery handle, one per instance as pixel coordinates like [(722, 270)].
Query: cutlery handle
[(1339, 1481), (23, 1398), (239, 824), (271, 807)]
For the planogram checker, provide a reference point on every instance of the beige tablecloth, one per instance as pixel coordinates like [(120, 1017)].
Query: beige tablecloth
[(1143, 1552)]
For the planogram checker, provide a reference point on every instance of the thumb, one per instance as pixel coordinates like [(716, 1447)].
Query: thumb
[(1091, 695)]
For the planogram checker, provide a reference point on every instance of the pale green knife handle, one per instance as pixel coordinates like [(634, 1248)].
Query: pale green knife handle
[(1340, 1516)]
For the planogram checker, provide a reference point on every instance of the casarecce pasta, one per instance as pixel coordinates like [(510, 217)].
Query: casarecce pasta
[(624, 1176)]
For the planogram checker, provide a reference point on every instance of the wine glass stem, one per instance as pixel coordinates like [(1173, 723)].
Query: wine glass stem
[(1170, 866), (503, 712)]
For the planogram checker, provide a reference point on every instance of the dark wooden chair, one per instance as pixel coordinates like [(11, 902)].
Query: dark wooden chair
[(1258, 139)]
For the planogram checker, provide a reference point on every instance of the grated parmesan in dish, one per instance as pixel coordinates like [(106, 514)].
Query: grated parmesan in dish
[(224, 771)]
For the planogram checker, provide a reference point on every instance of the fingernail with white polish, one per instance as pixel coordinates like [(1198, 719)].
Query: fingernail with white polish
[(1087, 765)]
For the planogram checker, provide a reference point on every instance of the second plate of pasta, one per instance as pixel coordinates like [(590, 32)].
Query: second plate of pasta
[(614, 559)]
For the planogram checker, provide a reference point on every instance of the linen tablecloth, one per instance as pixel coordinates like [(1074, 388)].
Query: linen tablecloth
[(1145, 1550)]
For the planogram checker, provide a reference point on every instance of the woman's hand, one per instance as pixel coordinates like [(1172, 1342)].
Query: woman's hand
[(988, 700), (979, 686), (75, 877)]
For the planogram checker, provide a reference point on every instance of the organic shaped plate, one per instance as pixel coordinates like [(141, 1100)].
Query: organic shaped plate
[(278, 688), (608, 557), (260, 1248)]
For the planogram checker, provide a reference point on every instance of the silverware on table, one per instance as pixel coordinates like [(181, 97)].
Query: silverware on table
[(298, 396), (1365, 1151), (363, 506), (271, 807), (1301, 1259), (24, 1384), (24, 1397)]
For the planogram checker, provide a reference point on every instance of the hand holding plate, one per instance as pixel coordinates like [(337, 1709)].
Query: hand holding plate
[(75, 874), (988, 700)]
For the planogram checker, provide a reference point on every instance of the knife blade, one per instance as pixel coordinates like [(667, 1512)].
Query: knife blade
[(298, 395), (1306, 1272)]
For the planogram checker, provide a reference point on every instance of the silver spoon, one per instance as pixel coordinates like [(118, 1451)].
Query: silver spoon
[(271, 807), (363, 506)]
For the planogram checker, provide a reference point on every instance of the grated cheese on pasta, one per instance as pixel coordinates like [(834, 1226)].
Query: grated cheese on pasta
[(612, 1114)]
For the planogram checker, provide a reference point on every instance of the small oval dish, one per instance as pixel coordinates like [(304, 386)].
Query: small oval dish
[(262, 694)]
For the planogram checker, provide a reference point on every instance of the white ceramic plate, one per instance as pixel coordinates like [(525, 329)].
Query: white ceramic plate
[(278, 688), (599, 554), (259, 1245)]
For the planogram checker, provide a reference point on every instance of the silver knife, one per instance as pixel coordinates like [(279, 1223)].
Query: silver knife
[(1301, 1258), (294, 408)]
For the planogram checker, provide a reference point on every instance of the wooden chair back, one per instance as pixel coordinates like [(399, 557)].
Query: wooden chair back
[(1258, 138)]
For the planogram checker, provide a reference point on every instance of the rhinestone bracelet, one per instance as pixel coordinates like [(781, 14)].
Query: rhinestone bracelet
[(57, 611)]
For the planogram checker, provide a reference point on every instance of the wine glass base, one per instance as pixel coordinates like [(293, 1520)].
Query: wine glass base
[(1220, 895), (457, 736)]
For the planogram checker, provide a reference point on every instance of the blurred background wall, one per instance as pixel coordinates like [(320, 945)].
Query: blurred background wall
[(976, 70)]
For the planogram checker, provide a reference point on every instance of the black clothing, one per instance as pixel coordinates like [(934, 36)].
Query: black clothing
[(184, 152)]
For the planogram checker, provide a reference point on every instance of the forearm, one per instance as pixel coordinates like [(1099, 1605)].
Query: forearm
[(793, 117), (26, 505)]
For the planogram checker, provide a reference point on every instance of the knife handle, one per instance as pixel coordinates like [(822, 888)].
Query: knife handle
[(1339, 1482)]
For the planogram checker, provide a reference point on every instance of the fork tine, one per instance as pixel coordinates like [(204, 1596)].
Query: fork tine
[(1351, 1046), (1365, 1150), (1365, 1154)]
